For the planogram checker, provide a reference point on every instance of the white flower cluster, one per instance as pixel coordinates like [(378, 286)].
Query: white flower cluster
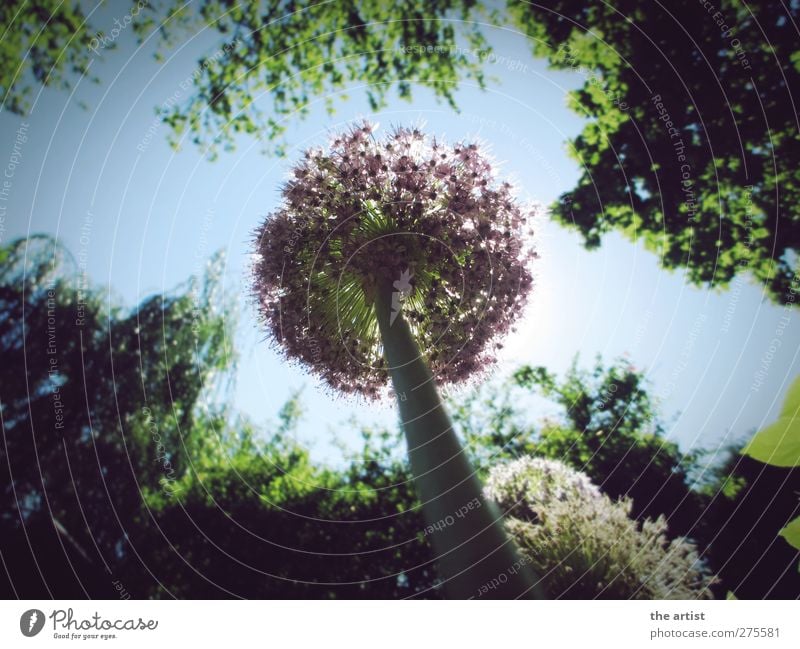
[(587, 546)]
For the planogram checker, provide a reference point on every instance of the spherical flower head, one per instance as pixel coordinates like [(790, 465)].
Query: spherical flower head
[(427, 216), (584, 545), (529, 484)]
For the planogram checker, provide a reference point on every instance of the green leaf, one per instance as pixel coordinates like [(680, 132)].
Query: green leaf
[(779, 443), (792, 533), (791, 404)]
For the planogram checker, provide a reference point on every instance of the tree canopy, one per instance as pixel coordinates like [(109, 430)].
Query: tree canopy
[(42, 43), (690, 144), (691, 140), (272, 63), (611, 430), (99, 405)]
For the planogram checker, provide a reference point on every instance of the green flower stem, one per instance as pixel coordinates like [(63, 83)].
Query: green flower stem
[(475, 555)]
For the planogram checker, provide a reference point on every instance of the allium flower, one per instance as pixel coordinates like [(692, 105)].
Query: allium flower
[(524, 484), (587, 546), (407, 208), (405, 258)]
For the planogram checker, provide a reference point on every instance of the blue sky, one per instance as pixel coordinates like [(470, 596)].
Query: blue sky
[(147, 218)]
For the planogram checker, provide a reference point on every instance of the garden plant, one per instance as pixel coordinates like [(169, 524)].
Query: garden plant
[(405, 258)]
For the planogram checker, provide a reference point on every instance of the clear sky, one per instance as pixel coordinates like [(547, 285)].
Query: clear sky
[(147, 220)]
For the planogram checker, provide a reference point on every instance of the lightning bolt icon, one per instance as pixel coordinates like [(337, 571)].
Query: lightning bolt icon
[(32, 621)]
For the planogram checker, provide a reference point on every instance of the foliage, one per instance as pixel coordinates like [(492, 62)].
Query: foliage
[(733, 509), (98, 404), (224, 509), (145, 486), (273, 60), (691, 139), (587, 546), (689, 144), (610, 431), (267, 523), (44, 43), (779, 445), (493, 421), (748, 505), (302, 52), (792, 533)]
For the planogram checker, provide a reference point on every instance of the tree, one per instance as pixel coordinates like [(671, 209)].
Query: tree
[(143, 492), (119, 481), (43, 43), (738, 510), (611, 431), (494, 423), (305, 51), (273, 60), (98, 405), (691, 139)]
